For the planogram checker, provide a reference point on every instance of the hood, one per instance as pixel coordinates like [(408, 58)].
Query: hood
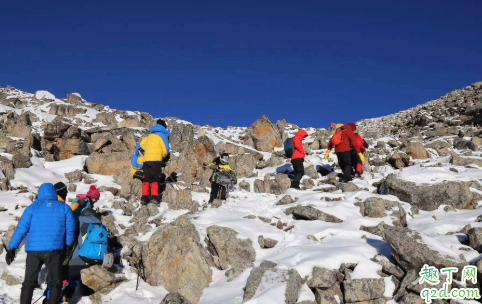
[(138, 146), (350, 126), (47, 192), (301, 133), (159, 129)]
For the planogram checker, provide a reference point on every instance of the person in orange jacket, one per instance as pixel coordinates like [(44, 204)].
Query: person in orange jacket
[(342, 150), (298, 157), (357, 163)]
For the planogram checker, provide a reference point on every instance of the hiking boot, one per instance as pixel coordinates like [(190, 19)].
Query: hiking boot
[(155, 200), (145, 200)]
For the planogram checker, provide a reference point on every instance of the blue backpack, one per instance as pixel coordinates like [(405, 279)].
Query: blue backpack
[(94, 245), (289, 147)]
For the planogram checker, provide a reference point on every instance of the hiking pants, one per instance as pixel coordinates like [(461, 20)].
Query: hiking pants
[(299, 171), (344, 160), (356, 162), (215, 188), (53, 262), (152, 178)]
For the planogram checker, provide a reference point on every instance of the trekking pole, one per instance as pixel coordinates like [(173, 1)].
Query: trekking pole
[(38, 299)]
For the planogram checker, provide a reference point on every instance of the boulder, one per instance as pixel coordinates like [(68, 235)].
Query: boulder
[(265, 135), (358, 290), (475, 238), (266, 243), (68, 148), (311, 172), (175, 298), (463, 144), (74, 98), (55, 129), (19, 125), (175, 259), (286, 200), (415, 149), (203, 148), (66, 110), (458, 160), (244, 185), (98, 278), (411, 251), (332, 295), (379, 207), (182, 136), (179, 199), (10, 280), (74, 176), (108, 164), (244, 164), (21, 161), (399, 160), (430, 196), (266, 276), (309, 213), (322, 278), (229, 249)]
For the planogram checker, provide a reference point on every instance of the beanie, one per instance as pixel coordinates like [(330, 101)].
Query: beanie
[(61, 189), (93, 193)]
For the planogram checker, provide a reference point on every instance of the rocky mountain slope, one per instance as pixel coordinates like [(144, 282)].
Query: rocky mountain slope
[(417, 203)]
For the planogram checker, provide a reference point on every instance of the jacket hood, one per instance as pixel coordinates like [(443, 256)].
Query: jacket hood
[(159, 129), (301, 133), (138, 146), (350, 126), (47, 192)]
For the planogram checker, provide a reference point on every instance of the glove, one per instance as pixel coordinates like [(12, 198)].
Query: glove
[(362, 158), (10, 256), (327, 153)]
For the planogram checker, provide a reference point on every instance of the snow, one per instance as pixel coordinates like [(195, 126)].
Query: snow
[(44, 95)]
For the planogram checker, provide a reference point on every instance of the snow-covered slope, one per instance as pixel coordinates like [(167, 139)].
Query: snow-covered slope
[(327, 225)]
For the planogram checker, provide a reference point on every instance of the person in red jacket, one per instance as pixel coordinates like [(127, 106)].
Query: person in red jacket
[(357, 163), (342, 150), (298, 158)]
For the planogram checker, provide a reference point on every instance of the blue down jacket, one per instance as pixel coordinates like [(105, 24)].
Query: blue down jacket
[(50, 224)]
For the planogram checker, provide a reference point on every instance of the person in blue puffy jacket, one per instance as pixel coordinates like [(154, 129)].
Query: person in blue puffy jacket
[(50, 227)]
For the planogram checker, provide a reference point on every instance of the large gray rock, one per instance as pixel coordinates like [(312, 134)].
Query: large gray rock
[(182, 136), (100, 279), (265, 135), (66, 110), (309, 213), (175, 259), (379, 207), (332, 295), (462, 144), (322, 278), (74, 98), (415, 149), (458, 160), (174, 298), (19, 125), (69, 147), (267, 275), (475, 238), (430, 196), (179, 199), (411, 252), (399, 160), (244, 164), (108, 164), (358, 290), (230, 250)]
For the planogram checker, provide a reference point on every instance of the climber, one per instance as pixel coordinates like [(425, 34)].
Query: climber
[(136, 163), (334, 127), (83, 201), (343, 140), (91, 248), (357, 163), (50, 226), (62, 192), (156, 154), (298, 158), (220, 164)]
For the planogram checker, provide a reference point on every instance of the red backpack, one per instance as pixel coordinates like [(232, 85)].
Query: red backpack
[(336, 139)]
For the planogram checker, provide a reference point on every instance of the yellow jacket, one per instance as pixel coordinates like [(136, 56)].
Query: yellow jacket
[(154, 148)]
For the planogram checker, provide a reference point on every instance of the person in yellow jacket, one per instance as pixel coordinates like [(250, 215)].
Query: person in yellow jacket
[(156, 151), (219, 164)]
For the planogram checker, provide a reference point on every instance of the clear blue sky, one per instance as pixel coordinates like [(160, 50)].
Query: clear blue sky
[(229, 62)]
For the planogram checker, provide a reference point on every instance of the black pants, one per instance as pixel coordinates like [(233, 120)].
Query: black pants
[(345, 161), (215, 187), (299, 171), (53, 262), (153, 172)]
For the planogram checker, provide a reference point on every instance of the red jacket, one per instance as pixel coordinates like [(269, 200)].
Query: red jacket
[(348, 140), (361, 142), (298, 144)]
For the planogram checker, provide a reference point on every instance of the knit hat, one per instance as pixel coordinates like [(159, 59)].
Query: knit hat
[(61, 189), (93, 193), (161, 122)]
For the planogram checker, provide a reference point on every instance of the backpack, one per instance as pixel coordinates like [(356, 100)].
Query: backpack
[(289, 147), (94, 245), (336, 139), (224, 178)]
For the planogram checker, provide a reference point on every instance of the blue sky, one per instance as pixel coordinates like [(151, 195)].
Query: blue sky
[(229, 62)]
